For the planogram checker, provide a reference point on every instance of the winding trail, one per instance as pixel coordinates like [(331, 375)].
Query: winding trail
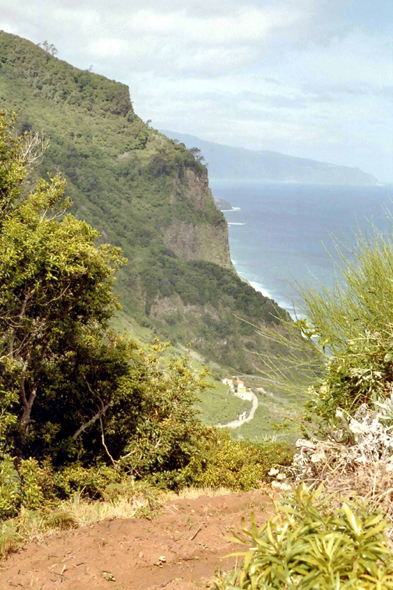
[(238, 423)]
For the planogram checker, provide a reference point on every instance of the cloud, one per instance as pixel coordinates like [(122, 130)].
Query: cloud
[(308, 77)]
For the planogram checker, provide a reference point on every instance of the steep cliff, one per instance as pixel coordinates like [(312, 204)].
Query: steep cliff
[(145, 193)]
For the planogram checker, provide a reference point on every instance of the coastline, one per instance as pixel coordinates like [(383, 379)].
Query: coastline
[(257, 286), (288, 233)]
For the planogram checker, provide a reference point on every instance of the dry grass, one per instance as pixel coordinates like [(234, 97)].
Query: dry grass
[(194, 493), (73, 513), (87, 512)]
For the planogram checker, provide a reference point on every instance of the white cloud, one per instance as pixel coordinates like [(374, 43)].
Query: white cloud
[(307, 77)]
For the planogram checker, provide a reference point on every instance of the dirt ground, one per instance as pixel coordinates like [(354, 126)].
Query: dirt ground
[(179, 550)]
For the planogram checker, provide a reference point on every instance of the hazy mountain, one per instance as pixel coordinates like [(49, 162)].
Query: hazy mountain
[(233, 163)]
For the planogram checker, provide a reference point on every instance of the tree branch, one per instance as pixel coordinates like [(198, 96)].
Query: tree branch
[(97, 416)]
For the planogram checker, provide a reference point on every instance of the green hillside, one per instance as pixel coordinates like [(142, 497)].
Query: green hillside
[(145, 193)]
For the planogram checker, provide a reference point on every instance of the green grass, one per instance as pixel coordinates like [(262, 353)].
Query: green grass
[(220, 405), (276, 413)]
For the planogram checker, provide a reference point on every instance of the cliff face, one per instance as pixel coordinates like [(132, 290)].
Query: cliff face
[(146, 194), (201, 242), (205, 241)]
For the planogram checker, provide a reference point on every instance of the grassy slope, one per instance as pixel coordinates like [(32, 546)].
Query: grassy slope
[(133, 183)]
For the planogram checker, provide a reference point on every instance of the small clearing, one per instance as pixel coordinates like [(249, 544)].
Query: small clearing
[(178, 550)]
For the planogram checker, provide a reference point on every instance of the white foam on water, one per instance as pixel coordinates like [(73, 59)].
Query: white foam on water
[(284, 304), (233, 209), (233, 223), (261, 289)]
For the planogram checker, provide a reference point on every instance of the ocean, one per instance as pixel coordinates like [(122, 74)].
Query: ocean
[(280, 234)]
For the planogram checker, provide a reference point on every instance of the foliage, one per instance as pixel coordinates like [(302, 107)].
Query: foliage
[(345, 334), (132, 183), (12, 166), (306, 546), (92, 481), (10, 492), (237, 465), (354, 322), (31, 486), (53, 285), (72, 391)]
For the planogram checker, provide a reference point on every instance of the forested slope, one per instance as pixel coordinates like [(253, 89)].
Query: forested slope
[(146, 194)]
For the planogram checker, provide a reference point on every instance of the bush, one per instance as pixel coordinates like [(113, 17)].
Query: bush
[(353, 324), (31, 484), (30, 487), (306, 546), (10, 489), (237, 465), (91, 482), (346, 342)]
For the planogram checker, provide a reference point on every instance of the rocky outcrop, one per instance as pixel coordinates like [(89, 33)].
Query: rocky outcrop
[(198, 241)]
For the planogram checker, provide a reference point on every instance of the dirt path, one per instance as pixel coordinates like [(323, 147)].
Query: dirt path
[(237, 423), (179, 550)]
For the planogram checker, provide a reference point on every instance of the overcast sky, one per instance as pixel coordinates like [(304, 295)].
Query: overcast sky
[(310, 78)]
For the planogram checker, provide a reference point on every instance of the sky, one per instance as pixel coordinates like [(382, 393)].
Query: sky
[(309, 78)]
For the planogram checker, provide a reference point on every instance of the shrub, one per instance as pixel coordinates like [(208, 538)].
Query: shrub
[(346, 335), (353, 324), (90, 481), (10, 489), (306, 546), (31, 486), (238, 465)]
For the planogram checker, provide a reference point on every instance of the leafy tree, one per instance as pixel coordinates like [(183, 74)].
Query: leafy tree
[(53, 280), (49, 48), (196, 152), (70, 388)]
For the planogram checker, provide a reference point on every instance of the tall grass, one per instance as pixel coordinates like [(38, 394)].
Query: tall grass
[(341, 344)]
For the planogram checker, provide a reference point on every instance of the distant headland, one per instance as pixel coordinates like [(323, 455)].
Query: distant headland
[(234, 163)]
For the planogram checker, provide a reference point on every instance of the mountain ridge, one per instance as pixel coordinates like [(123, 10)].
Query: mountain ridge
[(144, 193), (236, 163)]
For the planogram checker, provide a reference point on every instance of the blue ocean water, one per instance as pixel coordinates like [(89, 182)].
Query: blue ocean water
[(282, 233)]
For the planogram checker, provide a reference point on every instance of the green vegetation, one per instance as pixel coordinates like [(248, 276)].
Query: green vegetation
[(219, 404), (348, 332), (82, 409), (353, 323), (318, 541), (87, 413), (147, 195), (309, 546), (240, 465), (72, 390)]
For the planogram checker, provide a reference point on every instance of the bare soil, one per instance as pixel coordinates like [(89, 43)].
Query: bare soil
[(179, 550)]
